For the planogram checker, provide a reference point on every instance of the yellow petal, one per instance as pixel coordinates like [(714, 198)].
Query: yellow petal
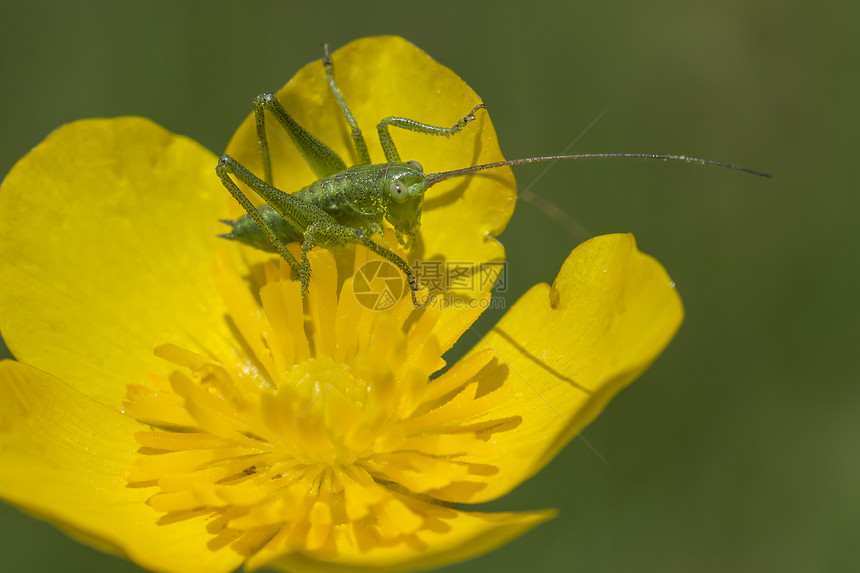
[(570, 348), (64, 458), (387, 76), (457, 537), (107, 235)]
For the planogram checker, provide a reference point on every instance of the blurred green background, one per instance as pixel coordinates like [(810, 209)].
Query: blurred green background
[(739, 450)]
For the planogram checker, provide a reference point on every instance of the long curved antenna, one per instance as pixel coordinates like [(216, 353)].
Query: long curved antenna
[(434, 178)]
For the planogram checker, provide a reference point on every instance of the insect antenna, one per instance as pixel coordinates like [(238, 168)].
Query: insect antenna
[(434, 178)]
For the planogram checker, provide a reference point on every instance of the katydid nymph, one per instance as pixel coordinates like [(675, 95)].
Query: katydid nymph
[(348, 205)]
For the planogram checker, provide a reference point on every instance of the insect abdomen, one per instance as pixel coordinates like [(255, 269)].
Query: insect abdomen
[(351, 197), (246, 231)]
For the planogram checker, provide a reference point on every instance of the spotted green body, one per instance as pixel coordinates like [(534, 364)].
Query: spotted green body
[(358, 197)]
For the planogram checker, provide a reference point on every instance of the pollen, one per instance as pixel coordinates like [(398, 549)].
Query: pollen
[(328, 430)]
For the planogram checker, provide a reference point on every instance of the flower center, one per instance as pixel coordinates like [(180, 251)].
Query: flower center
[(331, 400), (323, 431)]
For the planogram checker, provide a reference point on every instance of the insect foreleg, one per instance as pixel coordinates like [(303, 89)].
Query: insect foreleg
[(224, 169), (357, 138), (393, 258), (319, 157), (327, 234), (391, 154)]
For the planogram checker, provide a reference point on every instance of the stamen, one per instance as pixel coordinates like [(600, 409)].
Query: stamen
[(324, 429)]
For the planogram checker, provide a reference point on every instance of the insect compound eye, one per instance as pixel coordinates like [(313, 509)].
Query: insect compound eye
[(398, 191), (416, 165)]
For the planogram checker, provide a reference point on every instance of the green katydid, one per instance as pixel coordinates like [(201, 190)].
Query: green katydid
[(347, 205)]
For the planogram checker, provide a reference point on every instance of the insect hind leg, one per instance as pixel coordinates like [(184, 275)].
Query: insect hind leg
[(319, 156), (224, 169), (357, 138)]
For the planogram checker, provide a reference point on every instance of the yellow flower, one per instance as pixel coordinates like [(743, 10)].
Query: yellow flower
[(174, 404)]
